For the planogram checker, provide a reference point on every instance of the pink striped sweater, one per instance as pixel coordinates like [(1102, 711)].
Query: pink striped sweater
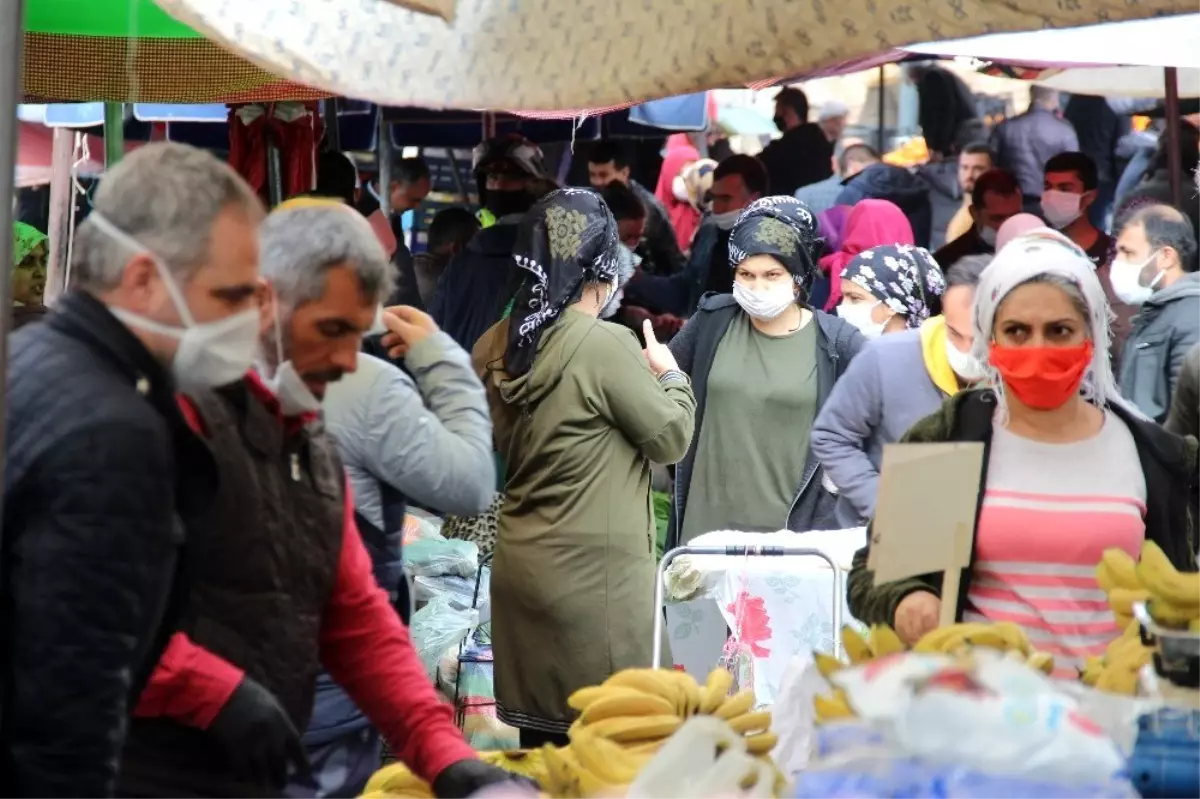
[(1049, 512)]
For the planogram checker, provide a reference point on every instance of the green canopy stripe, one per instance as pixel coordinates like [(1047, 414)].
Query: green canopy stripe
[(120, 18)]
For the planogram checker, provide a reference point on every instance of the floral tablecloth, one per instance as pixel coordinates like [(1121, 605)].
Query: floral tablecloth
[(787, 602)]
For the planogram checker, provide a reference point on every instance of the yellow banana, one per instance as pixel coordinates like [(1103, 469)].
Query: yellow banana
[(619, 705), (884, 641), (641, 728), (856, 646), (1117, 570), (562, 773), (1003, 635), (827, 664), (645, 747), (832, 707), (1168, 614), (1043, 661), (751, 722), (736, 705), (1121, 600), (935, 641), (1164, 581), (581, 699), (1093, 667), (716, 689), (651, 681), (761, 743), (393, 776), (611, 763), (1123, 620), (690, 695), (1122, 681), (1194, 625)]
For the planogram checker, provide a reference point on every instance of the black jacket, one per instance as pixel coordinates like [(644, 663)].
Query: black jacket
[(478, 284), (896, 185), (695, 349), (801, 156), (102, 479), (969, 243), (659, 247)]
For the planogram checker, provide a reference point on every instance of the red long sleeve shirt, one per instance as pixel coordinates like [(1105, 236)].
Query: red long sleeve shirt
[(363, 645)]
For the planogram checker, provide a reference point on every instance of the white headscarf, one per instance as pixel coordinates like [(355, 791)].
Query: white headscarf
[(1048, 252)]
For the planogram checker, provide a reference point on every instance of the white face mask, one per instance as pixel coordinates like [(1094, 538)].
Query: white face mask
[(766, 304), (1123, 277), (988, 236), (860, 315), (289, 388), (679, 189), (210, 353), (726, 220), (1061, 208), (964, 364)]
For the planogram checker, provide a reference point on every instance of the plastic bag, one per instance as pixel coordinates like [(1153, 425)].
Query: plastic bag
[(792, 716), (689, 766), (435, 558), (460, 590), (438, 626), (421, 525)]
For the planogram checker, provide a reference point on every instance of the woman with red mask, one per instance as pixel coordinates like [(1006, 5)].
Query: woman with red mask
[(1070, 469)]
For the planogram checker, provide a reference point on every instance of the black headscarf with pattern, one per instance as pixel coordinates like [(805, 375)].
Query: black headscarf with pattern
[(904, 278), (568, 239), (784, 228)]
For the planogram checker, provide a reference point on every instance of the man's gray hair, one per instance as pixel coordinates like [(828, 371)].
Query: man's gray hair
[(300, 244), (166, 196)]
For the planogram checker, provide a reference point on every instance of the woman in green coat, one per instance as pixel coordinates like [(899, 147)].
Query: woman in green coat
[(580, 412)]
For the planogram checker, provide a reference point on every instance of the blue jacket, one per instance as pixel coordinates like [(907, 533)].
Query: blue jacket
[(695, 349), (1166, 327), (478, 284), (899, 186)]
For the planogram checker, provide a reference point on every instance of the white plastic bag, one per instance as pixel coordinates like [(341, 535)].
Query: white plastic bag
[(792, 717), (435, 557), (438, 626), (688, 766)]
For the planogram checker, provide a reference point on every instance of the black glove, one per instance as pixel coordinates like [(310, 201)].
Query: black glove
[(258, 736), (466, 777)]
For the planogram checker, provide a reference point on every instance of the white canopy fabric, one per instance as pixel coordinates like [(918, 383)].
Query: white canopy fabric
[(545, 55), (1172, 41), (1146, 82)]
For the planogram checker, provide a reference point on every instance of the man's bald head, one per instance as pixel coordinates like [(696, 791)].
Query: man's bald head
[(1166, 227)]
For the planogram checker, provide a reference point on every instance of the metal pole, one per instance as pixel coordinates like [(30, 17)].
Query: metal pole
[(62, 195), (383, 163), (114, 134), (882, 107), (329, 115), (11, 39), (1174, 121)]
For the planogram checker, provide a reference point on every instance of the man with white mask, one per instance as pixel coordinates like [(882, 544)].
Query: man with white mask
[(281, 583), (737, 181), (105, 480), (1155, 270), (896, 381), (763, 364)]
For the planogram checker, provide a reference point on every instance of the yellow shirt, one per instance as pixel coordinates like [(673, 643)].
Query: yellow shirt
[(961, 222)]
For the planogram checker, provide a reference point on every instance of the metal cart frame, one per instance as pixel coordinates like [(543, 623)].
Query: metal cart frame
[(460, 705), (741, 551)]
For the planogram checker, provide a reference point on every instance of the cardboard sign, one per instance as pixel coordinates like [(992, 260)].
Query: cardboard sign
[(925, 514)]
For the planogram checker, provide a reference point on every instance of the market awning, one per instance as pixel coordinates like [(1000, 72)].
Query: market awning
[(550, 54)]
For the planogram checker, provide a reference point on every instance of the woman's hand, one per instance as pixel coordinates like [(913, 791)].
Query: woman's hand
[(658, 357), (916, 615)]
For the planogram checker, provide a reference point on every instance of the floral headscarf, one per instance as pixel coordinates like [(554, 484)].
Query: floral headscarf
[(782, 227), (903, 277), (565, 241)]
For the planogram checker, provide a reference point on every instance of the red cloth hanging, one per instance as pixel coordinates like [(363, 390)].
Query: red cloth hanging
[(296, 140)]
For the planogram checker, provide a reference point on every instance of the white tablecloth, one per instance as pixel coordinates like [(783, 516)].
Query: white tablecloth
[(789, 601)]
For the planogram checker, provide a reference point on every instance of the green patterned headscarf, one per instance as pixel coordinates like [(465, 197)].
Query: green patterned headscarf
[(29, 264), (28, 240)]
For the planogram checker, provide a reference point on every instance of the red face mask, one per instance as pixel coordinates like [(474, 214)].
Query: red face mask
[(1042, 377)]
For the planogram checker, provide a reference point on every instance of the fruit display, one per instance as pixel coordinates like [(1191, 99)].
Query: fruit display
[(1172, 598), (1116, 671), (624, 722), (882, 641), (622, 725)]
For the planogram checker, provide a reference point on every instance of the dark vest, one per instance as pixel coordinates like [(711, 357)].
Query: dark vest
[(260, 580)]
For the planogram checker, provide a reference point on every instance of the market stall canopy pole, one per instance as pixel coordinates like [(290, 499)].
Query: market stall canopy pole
[(114, 134), (551, 54), (10, 95), (1174, 157)]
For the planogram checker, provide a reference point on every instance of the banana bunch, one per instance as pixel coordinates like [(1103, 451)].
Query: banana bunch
[(1116, 671), (395, 781), (879, 642), (641, 708), (1172, 598), (593, 766)]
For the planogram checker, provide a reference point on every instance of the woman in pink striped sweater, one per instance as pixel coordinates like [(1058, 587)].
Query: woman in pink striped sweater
[(1070, 468)]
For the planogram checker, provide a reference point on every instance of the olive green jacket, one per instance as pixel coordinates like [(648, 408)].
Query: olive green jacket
[(1168, 461)]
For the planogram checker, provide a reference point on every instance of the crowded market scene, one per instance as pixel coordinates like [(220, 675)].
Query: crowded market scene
[(589, 400)]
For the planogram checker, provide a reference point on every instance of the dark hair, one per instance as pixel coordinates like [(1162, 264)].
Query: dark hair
[(967, 270), (336, 176), (794, 99), (748, 168), (410, 170), (1189, 146), (623, 201), (995, 181), (606, 151), (1167, 226), (859, 154), (451, 226), (1079, 163), (979, 148)]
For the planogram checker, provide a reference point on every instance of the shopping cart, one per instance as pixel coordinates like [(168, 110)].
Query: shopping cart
[(469, 656), (735, 552)]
